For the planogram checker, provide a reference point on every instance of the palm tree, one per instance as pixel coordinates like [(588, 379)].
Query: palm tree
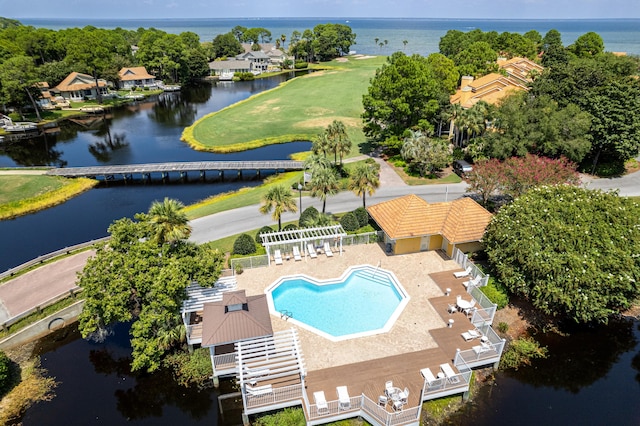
[(169, 221), (364, 179), (454, 112), (321, 143), (283, 38), (324, 182), (315, 162), (280, 200), (405, 43), (339, 140)]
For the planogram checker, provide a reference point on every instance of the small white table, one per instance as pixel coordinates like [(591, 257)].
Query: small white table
[(463, 304)]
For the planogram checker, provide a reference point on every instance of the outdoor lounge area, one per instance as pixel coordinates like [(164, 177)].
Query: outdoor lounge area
[(428, 353)]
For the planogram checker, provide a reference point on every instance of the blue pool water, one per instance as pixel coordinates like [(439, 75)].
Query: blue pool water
[(362, 302)]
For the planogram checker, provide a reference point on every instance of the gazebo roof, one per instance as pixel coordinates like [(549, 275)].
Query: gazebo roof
[(235, 318)]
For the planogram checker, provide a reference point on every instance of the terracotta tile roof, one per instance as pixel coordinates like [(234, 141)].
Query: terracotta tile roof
[(236, 317), (78, 81), (459, 221), (134, 73)]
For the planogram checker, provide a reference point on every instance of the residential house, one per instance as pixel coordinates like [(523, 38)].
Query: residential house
[(45, 99), (258, 59), (229, 67), (77, 87), (131, 77), (410, 224)]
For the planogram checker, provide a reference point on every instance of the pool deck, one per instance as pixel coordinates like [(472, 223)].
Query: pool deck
[(411, 331)]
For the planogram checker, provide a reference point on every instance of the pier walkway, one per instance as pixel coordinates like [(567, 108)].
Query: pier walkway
[(145, 170)]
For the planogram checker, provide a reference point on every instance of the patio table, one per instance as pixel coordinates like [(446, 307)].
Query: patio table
[(463, 304)]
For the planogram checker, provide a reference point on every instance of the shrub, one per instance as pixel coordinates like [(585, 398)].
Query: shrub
[(300, 65), (503, 327), (191, 369), (263, 230), (349, 222), (365, 229), (310, 214), (496, 293), (290, 227), (362, 216), (244, 76), (239, 268), (244, 244), (286, 417), (520, 352), (5, 373)]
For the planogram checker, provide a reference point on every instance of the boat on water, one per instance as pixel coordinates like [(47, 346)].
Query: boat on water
[(92, 109), (19, 126), (134, 96), (226, 76), (171, 88)]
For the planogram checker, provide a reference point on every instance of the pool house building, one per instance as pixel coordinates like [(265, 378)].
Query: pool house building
[(428, 352)]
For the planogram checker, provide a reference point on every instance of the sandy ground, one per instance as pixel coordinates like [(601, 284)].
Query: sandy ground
[(409, 333)]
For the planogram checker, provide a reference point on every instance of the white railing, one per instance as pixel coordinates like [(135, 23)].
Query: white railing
[(482, 355), (445, 385), (250, 262), (42, 305), (285, 393), (463, 260), (364, 238), (334, 408), (386, 418), (487, 310), (194, 333), (225, 359)]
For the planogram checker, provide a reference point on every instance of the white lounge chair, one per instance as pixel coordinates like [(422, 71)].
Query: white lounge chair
[(428, 375), (474, 282), (344, 402), (327, 249), (312, 251), (277, 257), (296, 253), (471, 334), (259, 390), (321, 402), (462, 274)]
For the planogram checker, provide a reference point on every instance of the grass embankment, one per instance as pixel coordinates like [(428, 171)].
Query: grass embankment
[(23, 194), (296, 110)]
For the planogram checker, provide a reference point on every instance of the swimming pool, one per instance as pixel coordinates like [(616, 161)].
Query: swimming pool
[(364, 301)]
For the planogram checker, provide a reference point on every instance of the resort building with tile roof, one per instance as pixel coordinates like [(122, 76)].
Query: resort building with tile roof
[(410, 224), (516, 74)]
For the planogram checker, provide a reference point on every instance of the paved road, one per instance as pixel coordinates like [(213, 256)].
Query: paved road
[(56, 278)]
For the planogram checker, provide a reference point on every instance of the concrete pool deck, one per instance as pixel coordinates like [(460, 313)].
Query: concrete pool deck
[(410, 332)]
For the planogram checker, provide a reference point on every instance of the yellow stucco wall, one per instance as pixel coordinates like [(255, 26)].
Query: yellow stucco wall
[(407, 245), (470, 247), (435, 242)]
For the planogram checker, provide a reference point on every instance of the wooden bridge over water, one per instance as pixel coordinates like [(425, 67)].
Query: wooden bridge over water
[(127, 172)]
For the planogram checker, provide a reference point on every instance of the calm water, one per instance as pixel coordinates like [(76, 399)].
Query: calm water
[(592, 377), (422, 35), (143, 133)]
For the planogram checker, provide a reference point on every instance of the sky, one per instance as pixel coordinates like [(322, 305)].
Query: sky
[(480, 9)]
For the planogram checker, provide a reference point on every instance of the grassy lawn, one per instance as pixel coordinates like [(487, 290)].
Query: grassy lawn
[(243, 197), (23, 194), (296, 110), (447, 177)]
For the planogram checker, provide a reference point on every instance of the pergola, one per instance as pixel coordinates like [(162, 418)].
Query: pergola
[(284, 240)]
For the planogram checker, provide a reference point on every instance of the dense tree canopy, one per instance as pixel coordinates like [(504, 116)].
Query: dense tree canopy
[(403, 94), (132, 278), (226, 45), (572, 252)]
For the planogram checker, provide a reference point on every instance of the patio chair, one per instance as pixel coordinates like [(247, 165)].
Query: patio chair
[(344, 401), (383, 400), (404, 396), (312, 251), (451, 308), (428, 375), (388, 388), (462, 274), (474, 282), (397, 405), (277, 257), (327, 249), (321, 402), (471, 308), (296, 253)]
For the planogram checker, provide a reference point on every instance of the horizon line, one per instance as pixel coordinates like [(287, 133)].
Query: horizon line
[(326, 17)]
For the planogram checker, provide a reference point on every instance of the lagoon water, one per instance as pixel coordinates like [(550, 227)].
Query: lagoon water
[(422, 35), (592, 377)]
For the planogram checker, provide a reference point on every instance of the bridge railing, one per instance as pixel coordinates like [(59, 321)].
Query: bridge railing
[(41, 259), (69, 293)]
